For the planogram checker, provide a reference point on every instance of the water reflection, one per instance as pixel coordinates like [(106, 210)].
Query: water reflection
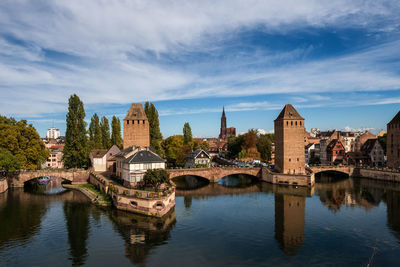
[(53, 187), (238, 181), (141, 233), (289, 222), (77, 219)]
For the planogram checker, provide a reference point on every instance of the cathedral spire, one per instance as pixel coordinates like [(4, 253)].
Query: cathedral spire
[(223, 111)]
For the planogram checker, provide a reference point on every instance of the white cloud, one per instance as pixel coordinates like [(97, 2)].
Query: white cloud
[(114, 40)]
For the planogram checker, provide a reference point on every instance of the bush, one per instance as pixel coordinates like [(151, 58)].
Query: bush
[(156, 177)]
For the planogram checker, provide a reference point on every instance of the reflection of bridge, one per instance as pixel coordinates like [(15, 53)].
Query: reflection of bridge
[(214, 174), (73, 175), (331, 168)]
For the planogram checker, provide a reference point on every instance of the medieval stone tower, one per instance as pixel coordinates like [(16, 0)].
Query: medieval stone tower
[(289, 141), (136, 127)]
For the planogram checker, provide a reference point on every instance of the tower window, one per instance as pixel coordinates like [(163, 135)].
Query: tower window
[(287, 123), (133, 122), (291, 123), (127, 121), (300, 123), (296, 123), (143, 121)]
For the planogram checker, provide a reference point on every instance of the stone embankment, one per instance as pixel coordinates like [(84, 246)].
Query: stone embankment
[(381, 174), (94, 197), (3, 185)]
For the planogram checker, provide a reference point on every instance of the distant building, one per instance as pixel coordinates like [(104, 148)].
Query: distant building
[(133, 162), (374, 152), (361, 139), (53, 133), (312, 153), (99, 158), (218, 147), (381, 133), (55, 159), (224, 131), (136, 127), (197, 157), (335, 151), (393, 142), (289, 141)]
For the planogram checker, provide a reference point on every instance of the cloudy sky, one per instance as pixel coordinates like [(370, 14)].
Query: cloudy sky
[(337, 62)]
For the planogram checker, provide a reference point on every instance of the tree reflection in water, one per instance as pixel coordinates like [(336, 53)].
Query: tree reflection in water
[(142, 233), (77, 218)]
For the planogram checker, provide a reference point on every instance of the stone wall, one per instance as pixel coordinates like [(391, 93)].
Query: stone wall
[(214, 174), (288, 179), (377, 174), (3, 185)]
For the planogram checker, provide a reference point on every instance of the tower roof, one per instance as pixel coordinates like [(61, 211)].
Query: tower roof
[(396, 119), (289, 113), (136, 112), (223, 111)]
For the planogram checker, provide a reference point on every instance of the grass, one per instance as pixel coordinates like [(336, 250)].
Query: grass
[(103, 197)]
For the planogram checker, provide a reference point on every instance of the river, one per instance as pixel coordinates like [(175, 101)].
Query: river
[(238, 222)]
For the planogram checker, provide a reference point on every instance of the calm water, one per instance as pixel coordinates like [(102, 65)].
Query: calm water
[(238, 222)]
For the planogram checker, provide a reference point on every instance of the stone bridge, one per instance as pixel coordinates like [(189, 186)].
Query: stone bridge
[(76, 176), (214, 174), (349, 170)]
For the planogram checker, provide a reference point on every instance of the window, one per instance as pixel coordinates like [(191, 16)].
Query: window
[(297, 159), (300, 123), (296, 123), (127, 121), (291, 123), (133, 121), (143, 121), (287, 123), (290, 160)]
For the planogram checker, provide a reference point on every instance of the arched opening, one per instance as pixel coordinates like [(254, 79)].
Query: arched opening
[(190, 182), (46, 185), (330, 176), (238, 180)]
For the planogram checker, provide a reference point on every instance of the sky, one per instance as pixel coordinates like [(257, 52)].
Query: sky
[(337, 62)]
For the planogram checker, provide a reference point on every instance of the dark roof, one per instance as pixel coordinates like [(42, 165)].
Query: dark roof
[(368, 146), (396, 119), (98, 153), (195, 153), (144, 156), (125, 151), (289, 113), (136, 112)]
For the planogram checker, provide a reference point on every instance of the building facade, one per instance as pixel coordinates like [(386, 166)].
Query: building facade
[(133, 162), (289, 141), (136, 127), (55, 159), (224, 131), (335, 151), (53, 133), (393, 142), (374, 152), (196, 158), (99, 158)]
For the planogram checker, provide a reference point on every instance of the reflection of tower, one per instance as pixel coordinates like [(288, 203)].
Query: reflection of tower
[(289, 222), (393, 211)]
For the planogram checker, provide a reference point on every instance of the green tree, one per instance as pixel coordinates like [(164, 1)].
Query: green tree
[(172, 147), (105, 133), (23, 142), (383, 141), (8, 161), (187, 134), (156, 177), (264, 145), (197, 144), (95, 134), (234, 146), (154, 123), (116, 132), (76, 143)]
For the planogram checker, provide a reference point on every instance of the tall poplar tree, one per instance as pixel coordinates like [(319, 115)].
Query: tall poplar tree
[(187, 134), (95, 136), (116, 132), (76, 149), (105, 133), (155, 133)]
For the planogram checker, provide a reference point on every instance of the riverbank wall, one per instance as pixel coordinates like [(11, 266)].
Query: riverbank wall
[(377, 174), (3, 185), (149, 203)]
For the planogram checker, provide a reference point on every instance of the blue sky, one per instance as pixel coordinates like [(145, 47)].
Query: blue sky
[(337, 62)]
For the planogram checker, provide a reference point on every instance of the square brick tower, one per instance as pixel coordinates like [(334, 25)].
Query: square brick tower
[(136, 127), (289, 141), (393, 142)]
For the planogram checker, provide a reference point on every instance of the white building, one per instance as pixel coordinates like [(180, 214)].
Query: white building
[(133, 162), (197, 157), (99, 158), (53, 133)]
